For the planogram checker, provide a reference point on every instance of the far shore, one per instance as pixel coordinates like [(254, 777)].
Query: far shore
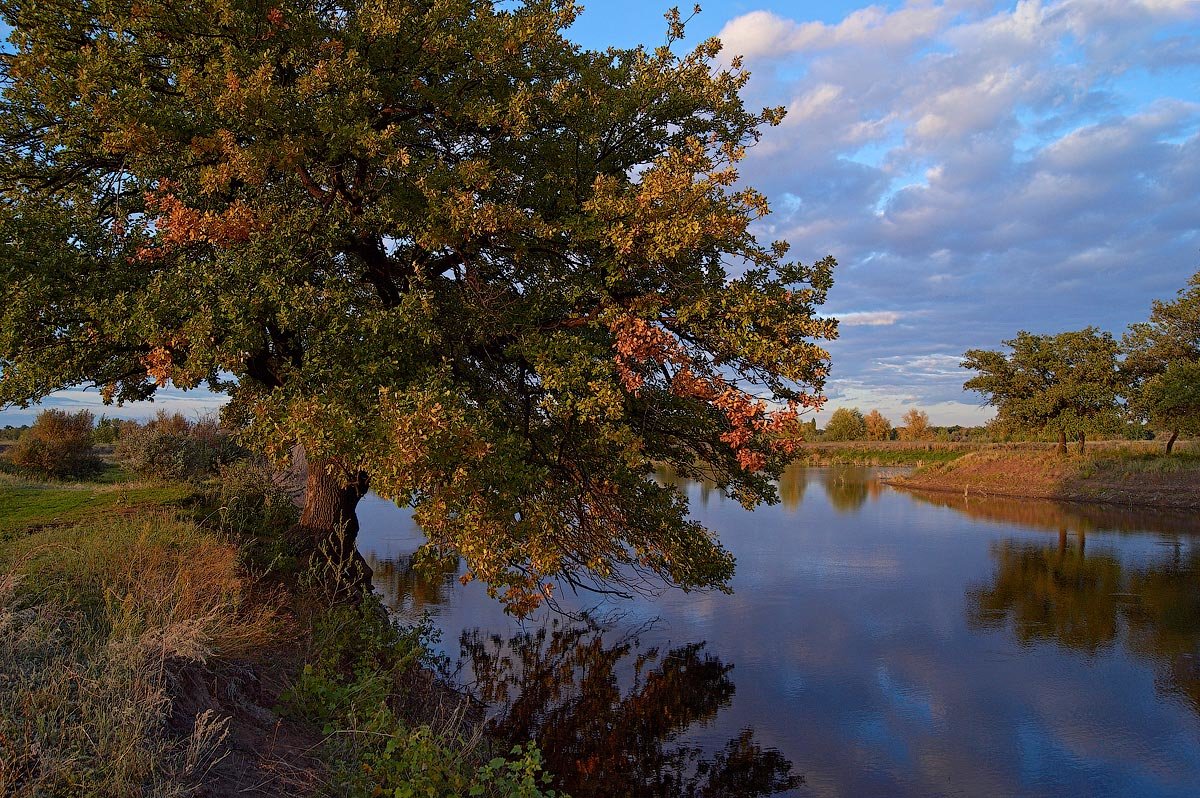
[(1117, 473)]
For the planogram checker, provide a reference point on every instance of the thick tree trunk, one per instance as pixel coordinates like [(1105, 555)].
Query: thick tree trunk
[(1082, 442), (1062, 441), (328, 525), (1171, 440)]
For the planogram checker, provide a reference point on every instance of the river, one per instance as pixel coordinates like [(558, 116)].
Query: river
[(877, 643)]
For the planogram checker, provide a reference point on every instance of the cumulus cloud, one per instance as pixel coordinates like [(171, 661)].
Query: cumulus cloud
[(979, 167)]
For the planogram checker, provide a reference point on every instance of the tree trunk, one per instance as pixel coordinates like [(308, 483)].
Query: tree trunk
[(1171, 440), (1082, 439), (328, 525), (1062, 441)]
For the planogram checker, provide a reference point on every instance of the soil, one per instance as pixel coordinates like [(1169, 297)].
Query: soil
[(1158, 482)]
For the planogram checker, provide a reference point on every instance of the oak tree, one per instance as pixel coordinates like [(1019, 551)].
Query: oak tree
[(1162, 361), (453, 256), (1066, 383)]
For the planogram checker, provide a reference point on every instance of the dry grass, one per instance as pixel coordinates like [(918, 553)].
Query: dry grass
[(1130, 473), (92, 619)]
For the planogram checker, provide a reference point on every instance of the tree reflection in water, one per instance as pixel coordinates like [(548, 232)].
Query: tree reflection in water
[(411, 590), (1088, 601), (562, 687), (849, 487)]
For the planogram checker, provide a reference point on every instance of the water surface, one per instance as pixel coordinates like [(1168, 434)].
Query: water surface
[(877, 643)]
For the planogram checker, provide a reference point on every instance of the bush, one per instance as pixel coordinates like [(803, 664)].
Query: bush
[(360, 665), (108, 430), (171, 447), (10, 433), (249, 500), (58, 445)]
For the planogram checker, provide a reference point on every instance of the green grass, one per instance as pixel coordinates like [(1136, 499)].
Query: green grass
[(26, 505), (885, 453)]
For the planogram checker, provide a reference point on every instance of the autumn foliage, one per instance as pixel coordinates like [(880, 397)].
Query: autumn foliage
[(59, 444), (449, 253)]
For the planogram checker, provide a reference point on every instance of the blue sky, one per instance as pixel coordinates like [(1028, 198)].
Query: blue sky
[(977, 167)]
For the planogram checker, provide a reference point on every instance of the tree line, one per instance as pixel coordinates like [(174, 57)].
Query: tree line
[(849, 424), (1085, 381)]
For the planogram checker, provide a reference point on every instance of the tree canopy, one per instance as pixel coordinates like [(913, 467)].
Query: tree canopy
[(452, 255), (916, 426), (846, 424), (1067, 383), (879, 427), (1162, 363)]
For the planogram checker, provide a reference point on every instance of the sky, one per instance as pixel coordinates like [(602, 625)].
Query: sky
[(976, 167)]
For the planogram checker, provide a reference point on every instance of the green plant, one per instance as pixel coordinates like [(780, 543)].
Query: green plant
[(249, 501), (360, 662), (408, 763), (171, 447), (438, 245), (92, 619)]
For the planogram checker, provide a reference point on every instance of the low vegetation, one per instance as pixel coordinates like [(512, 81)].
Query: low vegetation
[(888, 453), (1134, 474), (169, 446), (159, 637), (58, 445), (95, 619)]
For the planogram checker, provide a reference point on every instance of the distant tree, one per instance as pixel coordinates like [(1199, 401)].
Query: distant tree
[(846, 424), (1066, 383), (879, 427), (1162, 359), (59, 444), (107, 430), (916, 426)]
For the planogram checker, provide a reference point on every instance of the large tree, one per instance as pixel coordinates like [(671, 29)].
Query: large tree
[(1162, 362), (1066, 383), (448, 253)]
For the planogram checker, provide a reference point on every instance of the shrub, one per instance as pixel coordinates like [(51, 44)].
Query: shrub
[(58, 445), (353, 680), (171, 447), (10, 433), (249, 500), (108, 430)]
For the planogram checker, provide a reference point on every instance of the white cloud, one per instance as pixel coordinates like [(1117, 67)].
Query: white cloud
[(192, 404), (987, 166), (869, 318)]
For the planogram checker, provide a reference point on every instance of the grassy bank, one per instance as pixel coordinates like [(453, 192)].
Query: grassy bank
[(1134, 474), (901, 453), (154, 643)]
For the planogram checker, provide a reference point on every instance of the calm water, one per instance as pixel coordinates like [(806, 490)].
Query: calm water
[(877, 643)]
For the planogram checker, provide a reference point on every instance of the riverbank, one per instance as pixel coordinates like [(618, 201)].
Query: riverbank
[(1126, 474), (160, 638)]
